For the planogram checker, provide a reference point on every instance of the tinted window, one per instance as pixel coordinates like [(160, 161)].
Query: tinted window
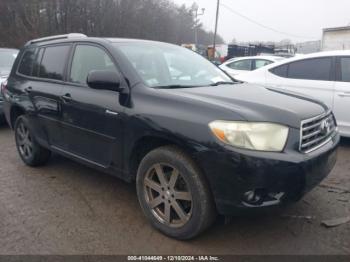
[(27, 61), (36, 65), (260, 63), (280, 70), (345, 69), (87, 58), (311, 69), (241, 65), (53, 62)]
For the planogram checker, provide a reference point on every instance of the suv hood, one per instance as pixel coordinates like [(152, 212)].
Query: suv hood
[(256, 103)]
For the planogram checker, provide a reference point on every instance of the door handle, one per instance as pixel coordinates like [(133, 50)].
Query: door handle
[(28, 89), (66, 98), (344, 94), (112, 113)]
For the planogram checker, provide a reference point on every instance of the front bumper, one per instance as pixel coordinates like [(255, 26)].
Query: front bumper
[(275, 178)]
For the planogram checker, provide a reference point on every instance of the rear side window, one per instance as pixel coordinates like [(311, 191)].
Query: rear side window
[(53, 62), (345, 69), (241, 65), (36, 65), (26, 64), (311, 69), (280, 71)]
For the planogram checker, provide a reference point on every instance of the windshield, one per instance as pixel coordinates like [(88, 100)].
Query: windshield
[(7, 58), (168, 66)]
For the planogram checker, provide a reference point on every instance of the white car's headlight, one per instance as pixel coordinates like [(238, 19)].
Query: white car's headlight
[(254, 136)]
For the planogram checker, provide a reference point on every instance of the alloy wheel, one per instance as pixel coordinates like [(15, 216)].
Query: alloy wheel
[(168, 195), (24, 140)]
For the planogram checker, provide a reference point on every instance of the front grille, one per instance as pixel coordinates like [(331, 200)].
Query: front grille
[(317, 131)]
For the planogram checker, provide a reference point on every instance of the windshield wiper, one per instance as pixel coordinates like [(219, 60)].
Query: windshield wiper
[(174, 86), (222, 83)]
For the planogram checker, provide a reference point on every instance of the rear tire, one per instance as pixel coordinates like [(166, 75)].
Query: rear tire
[(174, 194), (28, 148)]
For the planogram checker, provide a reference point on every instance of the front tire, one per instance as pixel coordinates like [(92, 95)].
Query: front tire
[(29, 150), (173, 193)]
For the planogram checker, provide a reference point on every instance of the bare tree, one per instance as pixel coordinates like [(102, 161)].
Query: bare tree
[(22, 20)]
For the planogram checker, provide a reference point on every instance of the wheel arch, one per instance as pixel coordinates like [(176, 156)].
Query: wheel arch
[(146, 144), (15, 112)]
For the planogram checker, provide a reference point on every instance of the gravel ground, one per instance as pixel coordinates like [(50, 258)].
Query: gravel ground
[(66, 208)]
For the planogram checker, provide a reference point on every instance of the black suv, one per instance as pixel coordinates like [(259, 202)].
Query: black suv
[(195, 142)]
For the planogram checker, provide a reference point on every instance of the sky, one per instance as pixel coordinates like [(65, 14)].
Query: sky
[(297, 20)]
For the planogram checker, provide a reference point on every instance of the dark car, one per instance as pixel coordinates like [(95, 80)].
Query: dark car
[(7, 58), (196, 143)]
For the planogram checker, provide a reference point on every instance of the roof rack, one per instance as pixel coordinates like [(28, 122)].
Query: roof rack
[(56, 37)]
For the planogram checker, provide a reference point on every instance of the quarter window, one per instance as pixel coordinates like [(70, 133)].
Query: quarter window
[(280, 70), (260, 63), (311, 69), (345, 69), (241, 65), (87, 58), (53, 62), (26, 65)]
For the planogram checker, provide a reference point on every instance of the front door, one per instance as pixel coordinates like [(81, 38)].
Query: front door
[(342, 95), (91, 118)]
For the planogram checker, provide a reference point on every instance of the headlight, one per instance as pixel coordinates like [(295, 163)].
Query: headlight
[(254, 136)]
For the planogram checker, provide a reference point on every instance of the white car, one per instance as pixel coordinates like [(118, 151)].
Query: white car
[(239, 65), (324, 76), (7, 58)]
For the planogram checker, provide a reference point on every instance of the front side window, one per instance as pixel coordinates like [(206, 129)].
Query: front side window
[(241, 65), (87, 58), (53, 62), (26, 65), (345, 69), (261, 62), (311, 69), (165, 66)]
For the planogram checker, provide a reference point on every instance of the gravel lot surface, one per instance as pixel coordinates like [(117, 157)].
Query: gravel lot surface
[(66, 208)]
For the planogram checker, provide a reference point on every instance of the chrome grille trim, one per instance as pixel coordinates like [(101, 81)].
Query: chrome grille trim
[(316, 132)]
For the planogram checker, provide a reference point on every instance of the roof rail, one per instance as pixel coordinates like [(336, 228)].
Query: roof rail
[(56, 37)]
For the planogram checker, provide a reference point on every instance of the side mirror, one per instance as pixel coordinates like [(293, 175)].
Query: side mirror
[(104, 80), (217, 63)]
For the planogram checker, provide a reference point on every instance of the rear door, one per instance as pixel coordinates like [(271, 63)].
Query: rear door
[(313, 77), (91, 118), (44, 88), (342, 94)]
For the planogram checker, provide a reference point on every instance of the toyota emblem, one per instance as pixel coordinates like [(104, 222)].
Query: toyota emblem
[(325, 127)]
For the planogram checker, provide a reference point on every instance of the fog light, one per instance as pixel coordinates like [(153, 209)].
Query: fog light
[(255, 197)]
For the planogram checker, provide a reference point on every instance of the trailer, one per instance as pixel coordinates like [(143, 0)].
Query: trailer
[(336, 38)]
